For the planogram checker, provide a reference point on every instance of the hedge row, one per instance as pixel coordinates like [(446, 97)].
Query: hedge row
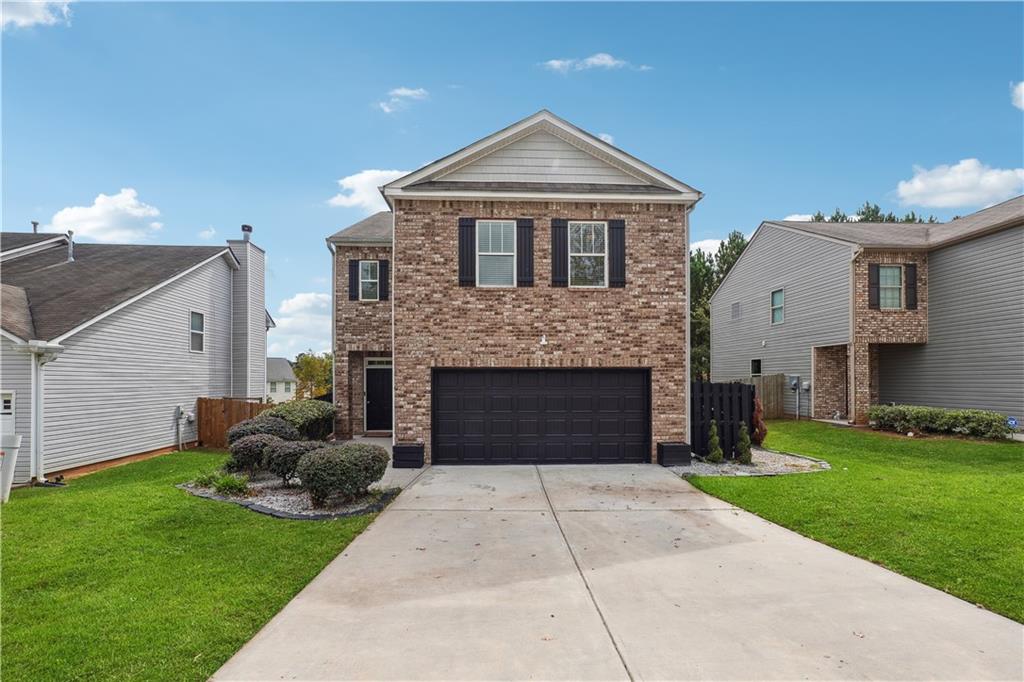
[(907, 418)]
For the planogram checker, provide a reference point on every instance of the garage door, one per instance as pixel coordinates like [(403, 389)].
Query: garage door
[(546, 416)]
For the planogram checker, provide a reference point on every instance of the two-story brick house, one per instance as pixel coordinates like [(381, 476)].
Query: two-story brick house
[(869, 313), (528, 295)]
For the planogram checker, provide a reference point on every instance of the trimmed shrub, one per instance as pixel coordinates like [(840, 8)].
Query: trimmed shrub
[(919, 419), (760, 427), (275, 426), (231, 484), (249, 453), (313, 418), (282, 458), (743, 446), (346, 471), (715, 454)]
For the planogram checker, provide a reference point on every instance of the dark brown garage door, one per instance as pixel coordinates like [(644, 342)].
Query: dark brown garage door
[(547, 416)]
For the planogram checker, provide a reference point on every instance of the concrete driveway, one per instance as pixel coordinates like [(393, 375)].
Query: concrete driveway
[(608, 573)]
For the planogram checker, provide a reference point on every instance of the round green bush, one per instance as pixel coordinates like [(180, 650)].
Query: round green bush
[(313, 418), (345, 471), (249, 453), (283, 458), (275, 426)]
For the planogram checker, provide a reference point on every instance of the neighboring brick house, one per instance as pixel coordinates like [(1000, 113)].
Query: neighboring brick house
[(868, 313), (528, 293)]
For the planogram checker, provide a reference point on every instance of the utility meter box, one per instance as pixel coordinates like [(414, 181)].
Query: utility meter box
[(794, 382)]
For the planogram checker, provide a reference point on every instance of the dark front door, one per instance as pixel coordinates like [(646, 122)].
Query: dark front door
[(378, 398), (546, 416)]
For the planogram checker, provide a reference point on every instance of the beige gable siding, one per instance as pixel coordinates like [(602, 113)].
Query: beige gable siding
[(16, 377), (541, 157)]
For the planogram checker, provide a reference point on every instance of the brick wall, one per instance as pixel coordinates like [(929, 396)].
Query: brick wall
[(440, 324), (829, 385)]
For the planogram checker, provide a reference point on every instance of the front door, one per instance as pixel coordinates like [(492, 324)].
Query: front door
[(378, 394)]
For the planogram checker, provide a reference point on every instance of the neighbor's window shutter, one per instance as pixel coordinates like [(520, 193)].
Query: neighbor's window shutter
[(382, 280), (616, 253), (353, 280), (873, 286), (910, 275), (559, 252), (467, 252), (524, 252)]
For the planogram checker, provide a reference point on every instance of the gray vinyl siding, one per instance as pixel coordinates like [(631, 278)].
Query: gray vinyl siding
[(815, 275), (113, 390), (975, 351), (240, 321), (16, 376), (249, 345), (257, 325)]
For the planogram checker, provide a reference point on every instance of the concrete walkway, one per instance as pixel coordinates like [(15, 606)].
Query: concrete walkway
[(610, 573)]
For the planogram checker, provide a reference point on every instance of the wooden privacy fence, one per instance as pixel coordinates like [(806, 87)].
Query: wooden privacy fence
[(770, 388), (728, 405), (214, 416)]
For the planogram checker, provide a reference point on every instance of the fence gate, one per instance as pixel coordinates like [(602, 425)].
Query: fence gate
[(214, 416), (771, 389), (728, 405)]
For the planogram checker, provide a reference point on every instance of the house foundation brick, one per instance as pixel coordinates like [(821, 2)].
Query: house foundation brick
[(830, 381)]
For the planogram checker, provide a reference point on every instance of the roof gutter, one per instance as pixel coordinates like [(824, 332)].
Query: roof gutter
[(42, 352)]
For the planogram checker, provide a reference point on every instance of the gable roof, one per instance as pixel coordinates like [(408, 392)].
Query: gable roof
[(279, 369), (1006, 214), (15, 313), (63, 295), (553, 160), (9, 241), (375, 229)]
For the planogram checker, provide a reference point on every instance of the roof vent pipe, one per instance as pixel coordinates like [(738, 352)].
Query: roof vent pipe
[(246, 232), (35, 226), (71, 246)]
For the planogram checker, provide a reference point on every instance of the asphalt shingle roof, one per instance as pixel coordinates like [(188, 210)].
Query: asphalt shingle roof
[(15, 240), (279, 369), (376, 228), (15, 313)]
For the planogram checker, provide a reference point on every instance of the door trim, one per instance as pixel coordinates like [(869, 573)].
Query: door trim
[(379, 362)]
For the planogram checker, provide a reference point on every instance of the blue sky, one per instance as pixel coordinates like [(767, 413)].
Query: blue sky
[(192, 118)]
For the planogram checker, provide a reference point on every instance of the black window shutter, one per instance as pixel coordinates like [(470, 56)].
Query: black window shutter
[(910, 274), (559, 252), (382, 280), (467, 252), (353, 280), (873, 286), (524, 252), (617, 253)]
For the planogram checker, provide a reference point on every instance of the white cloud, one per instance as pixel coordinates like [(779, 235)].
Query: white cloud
[(598, 60), (801, 217), (207, 234), (610, 139), (36, 12), (967, 183), (708, 246), (1017, 94), (111, 218), (303, 322), (399, 98), (360, 190)]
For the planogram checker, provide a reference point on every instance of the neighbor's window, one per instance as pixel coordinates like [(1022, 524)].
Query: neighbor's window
[(755, 368), (778, 304), (588, 254), (496, 253), (287, 387), (369, 286), (197, 332), (273, 387), (736, 310), (890, 287)]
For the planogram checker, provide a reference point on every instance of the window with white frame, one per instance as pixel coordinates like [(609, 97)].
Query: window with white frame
[(369, 280), (7, 413), (755, 367), (588, 254), (496, 253), (287, 387), (273, 387), (890, 287), (778, 306), (197, 332)]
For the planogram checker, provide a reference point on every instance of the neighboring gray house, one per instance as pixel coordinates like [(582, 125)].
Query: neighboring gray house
[(102, 343), (868, 313), (280, 380)]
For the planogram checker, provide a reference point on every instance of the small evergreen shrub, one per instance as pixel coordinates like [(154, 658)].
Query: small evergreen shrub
[(715, 454), (231, 484), (760, 427), (283, 458), (249, 453), (275, 426), (344, 471), (314, 419), (919, 419), (743, 452)]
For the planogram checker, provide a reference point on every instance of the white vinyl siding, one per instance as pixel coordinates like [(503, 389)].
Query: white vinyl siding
[(496, 253), (778, 306), (588, 254), (197, 332), (16, 378), (890, 287)]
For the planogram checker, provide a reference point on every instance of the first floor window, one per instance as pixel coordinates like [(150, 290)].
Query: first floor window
[(588, 254), (778, 306), (890, 287), (369, 283), (287, 387), (755, 367), (273, 387), (197, 332), (496, 253)]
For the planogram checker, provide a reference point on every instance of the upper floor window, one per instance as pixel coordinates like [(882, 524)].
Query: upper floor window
[(890, 287), (588, 254), (369, 282), (197, 332), (736, 310), (778, 306), (496, 253)]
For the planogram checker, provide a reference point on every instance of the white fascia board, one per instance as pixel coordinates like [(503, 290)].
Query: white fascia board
[(468, 195), (11, 337), (147, 292), (32, 248)]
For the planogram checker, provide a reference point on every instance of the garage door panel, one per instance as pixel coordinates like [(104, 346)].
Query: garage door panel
[(501, 403), (474, 427), (528, 427), (555, 403), (556, 427)]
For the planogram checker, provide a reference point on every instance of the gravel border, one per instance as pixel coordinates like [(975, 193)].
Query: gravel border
[(765, 463), (380, 501)]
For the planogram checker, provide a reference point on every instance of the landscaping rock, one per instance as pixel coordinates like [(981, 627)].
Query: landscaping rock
[(764, 463)]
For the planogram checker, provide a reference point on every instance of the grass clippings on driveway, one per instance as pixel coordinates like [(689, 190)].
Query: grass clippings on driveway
[(944, 511), (120, 575)]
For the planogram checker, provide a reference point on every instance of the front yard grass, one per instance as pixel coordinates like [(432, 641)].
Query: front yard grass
[(120, 575), (944, 511)]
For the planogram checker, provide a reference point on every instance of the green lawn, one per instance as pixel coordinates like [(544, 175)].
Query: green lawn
[(945, 511), (120, 575)]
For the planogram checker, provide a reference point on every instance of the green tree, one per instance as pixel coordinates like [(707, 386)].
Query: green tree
[(702, 285), (729, 252), (743, 452), (715, 454), (871, 213), (313, 372)]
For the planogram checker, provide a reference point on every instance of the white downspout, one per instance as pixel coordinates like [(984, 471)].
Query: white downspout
[(42, 353)]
